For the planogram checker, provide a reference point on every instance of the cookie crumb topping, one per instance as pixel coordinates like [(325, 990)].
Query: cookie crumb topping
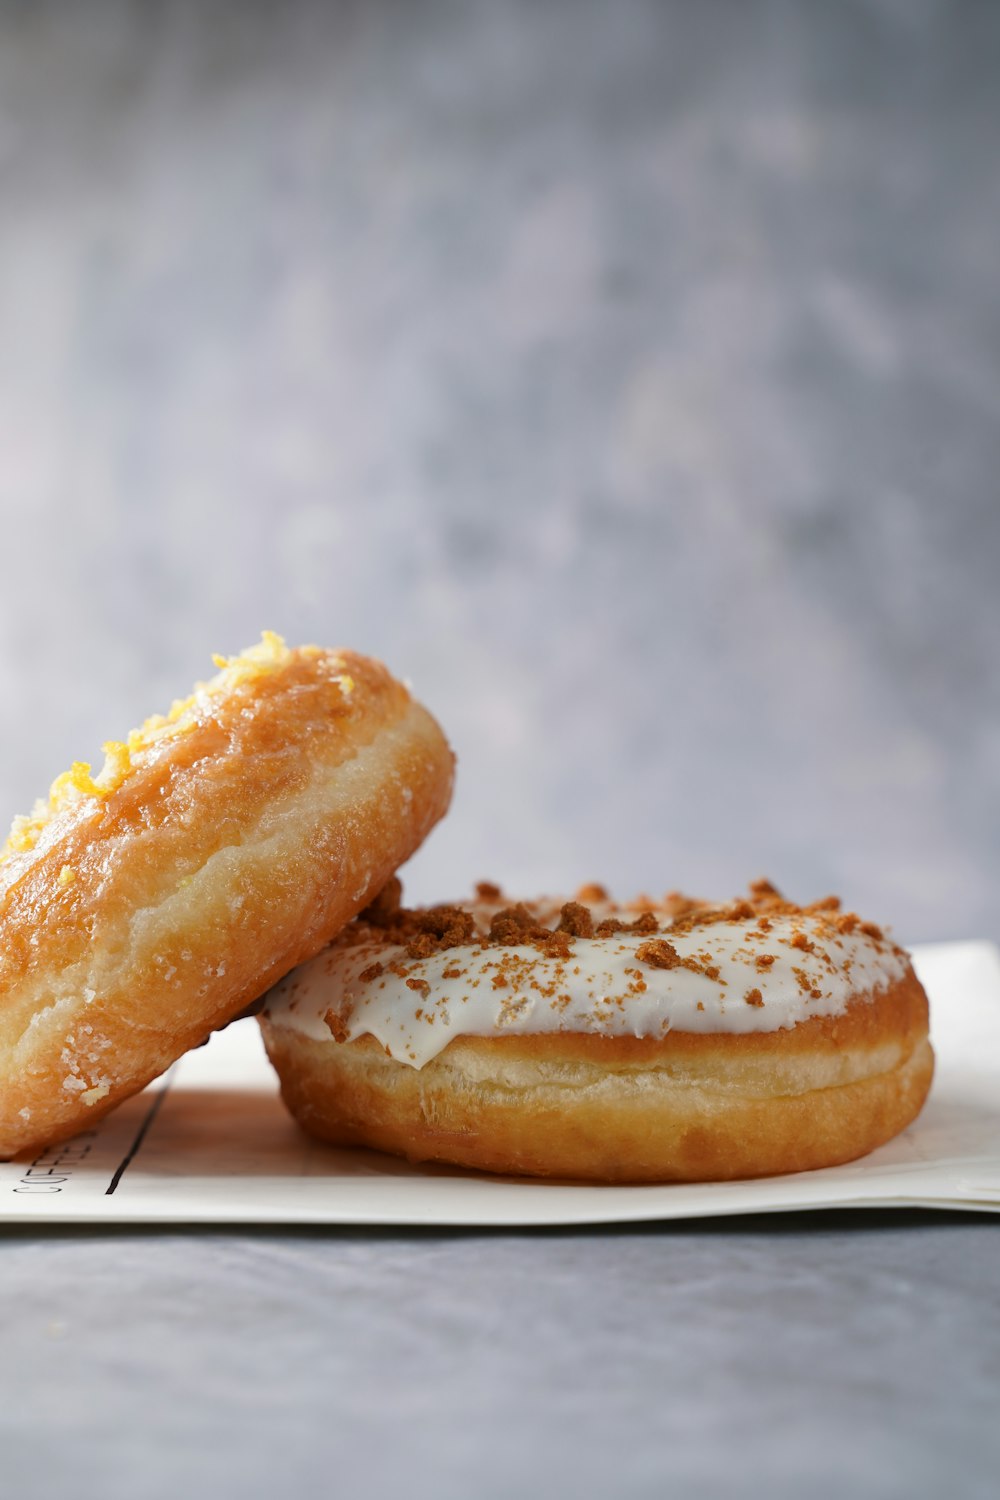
[(419, 978)]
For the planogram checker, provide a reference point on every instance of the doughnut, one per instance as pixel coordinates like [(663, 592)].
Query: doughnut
[(219, 846), (657, 1041)]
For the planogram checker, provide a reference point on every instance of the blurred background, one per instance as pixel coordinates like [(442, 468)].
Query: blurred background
[(626, 375)]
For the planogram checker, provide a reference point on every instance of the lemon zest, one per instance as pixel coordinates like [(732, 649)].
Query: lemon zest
[(78, 784)]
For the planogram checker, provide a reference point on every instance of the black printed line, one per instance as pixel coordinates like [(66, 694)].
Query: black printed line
[(151, 1114)]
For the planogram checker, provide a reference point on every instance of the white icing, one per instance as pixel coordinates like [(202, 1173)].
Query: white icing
[(602, 987)]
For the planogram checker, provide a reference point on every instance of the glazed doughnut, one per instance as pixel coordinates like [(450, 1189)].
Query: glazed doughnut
[(220, 846), (656, 1042)]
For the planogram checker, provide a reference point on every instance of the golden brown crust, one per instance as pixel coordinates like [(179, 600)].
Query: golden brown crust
[(233, 849), (689, 1107)]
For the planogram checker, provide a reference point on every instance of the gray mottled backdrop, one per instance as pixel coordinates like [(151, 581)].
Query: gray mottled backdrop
[(627, 375)]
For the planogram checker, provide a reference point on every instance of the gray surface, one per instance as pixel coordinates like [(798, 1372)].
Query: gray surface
[(829, 1357), (627, 375)]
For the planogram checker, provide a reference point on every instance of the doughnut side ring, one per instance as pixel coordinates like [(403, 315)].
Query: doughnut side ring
[(687, 1109)]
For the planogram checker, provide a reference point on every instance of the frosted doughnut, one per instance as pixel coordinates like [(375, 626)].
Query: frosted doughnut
[(218, 847), (666, 1041)]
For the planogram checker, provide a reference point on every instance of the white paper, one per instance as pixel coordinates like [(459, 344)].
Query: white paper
[(210, 1143)]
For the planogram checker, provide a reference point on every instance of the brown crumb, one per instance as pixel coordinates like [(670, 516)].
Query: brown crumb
[(433, 929), (420, 985), (754, 997), (591, 894), (608, 927), (658, 954), (576, 920), (423, 932), (644, 924), (555, 944), (373, 971), (451, 925), (422, 946), (338, 1027), (515, 924), (500, 981)]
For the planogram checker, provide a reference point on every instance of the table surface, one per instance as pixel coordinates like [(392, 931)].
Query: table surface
[(824, 1354), (670, 333)]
